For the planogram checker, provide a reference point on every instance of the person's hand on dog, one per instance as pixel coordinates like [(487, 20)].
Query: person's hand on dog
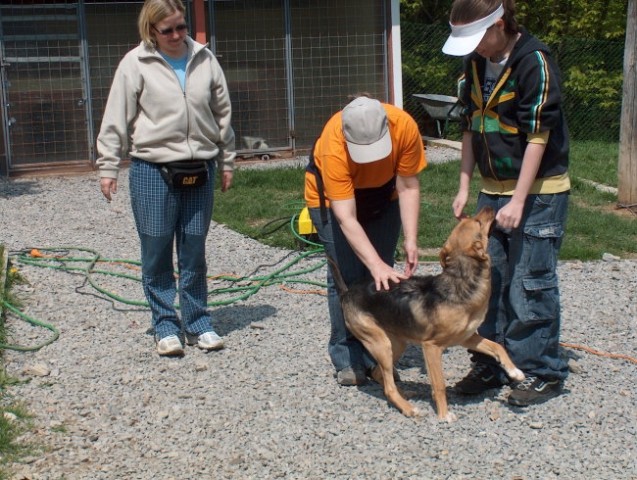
[(108, 186), (383, 274)]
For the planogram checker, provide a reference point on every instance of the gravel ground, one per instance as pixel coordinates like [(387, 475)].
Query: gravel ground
[(106, 406)]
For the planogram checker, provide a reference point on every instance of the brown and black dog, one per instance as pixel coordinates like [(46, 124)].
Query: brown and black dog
[(435, 311)]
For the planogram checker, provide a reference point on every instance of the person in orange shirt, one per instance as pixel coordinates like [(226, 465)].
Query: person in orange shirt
[(361, 186)]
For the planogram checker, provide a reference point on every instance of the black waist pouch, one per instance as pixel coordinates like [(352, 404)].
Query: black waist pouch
[(187, 174), (371, 202)]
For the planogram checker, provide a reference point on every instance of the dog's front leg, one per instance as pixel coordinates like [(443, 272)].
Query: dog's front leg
[(497, 351), (433, 360)]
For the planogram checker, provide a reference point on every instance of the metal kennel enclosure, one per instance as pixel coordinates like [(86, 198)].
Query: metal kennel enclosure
[(290, 64)]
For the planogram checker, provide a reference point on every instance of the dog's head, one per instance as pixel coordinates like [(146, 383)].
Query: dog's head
[(469, 238)]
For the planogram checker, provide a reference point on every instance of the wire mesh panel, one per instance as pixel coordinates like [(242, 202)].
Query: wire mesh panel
[(338, 49), (292, 64), (43, 83), (250, 42), (111, 32)]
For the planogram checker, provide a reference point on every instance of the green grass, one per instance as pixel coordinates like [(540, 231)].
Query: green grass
[(14, 419), (595, 161), (261, 203)]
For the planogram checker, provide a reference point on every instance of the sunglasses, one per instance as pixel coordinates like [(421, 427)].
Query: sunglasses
[(169, 31)]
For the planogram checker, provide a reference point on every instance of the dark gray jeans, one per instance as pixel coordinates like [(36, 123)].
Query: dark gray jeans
[(524, 309), (344, 349)]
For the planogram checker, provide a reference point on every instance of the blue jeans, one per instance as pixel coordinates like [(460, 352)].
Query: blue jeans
[(524, 309), (383, 232), (164, 217)]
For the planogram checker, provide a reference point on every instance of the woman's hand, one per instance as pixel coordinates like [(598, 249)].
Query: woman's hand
[(383, 273), (108, 187), (411, 258), (226, 180)]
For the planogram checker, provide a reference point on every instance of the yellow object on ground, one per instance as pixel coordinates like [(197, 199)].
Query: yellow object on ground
[(306, 227)]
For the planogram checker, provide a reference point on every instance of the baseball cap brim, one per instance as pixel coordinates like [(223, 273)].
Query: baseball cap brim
[(370, 153)]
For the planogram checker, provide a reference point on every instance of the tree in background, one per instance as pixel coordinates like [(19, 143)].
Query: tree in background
[(586, 37), (591, 19), (551, 19)]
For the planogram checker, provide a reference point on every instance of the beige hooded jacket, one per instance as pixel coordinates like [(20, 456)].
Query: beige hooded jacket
[(150, 117)]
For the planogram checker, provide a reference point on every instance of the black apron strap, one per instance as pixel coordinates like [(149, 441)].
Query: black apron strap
[(312, 168)]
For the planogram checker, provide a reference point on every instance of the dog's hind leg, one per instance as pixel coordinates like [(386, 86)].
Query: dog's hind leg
[(398, 347), (433, 360), (379, 345), (497, 351)]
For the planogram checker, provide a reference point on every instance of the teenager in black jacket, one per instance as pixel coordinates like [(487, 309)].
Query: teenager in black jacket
[(515, 132)]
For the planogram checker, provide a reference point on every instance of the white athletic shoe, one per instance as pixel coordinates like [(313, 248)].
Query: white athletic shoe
[(205, 341), (170, 346)]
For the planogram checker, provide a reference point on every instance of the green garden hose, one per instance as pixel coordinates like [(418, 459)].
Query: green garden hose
[(57, 258)]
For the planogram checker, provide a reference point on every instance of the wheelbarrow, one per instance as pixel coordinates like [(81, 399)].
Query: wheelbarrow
[(441, 108)]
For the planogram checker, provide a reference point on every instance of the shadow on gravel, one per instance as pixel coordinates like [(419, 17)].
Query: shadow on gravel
[(420, 394), (416, 392), (10, 189), (237, 317), (228, 319)]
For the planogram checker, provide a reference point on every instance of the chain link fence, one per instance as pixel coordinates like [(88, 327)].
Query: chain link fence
[(592, 74)]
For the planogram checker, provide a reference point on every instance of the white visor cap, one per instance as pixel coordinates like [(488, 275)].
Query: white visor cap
[(465, 38)]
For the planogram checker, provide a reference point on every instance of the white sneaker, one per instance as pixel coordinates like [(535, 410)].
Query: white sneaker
[(170, 346), (205, 341)]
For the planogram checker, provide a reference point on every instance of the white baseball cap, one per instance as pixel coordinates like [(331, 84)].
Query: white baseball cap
[(465, 38), (366, 130)]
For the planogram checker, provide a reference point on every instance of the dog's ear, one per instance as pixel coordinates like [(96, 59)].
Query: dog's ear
[(479, 250), (444, 254)]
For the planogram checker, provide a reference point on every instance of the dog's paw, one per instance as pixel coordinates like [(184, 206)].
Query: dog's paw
[(517, 375), (449, 418), (411, 412)]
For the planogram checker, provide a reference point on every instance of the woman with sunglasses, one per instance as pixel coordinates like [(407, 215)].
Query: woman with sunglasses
[(169, 109)]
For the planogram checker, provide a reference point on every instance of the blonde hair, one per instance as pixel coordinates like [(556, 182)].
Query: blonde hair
[(155, 11)]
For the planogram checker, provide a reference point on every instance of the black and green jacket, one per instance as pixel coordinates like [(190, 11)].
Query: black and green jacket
[(526, 100)]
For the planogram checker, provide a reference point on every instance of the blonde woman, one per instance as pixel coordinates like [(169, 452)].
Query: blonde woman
[(169, 109)]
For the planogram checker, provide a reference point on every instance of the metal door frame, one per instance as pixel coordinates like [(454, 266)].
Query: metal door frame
[(81, 58), (285, 5)]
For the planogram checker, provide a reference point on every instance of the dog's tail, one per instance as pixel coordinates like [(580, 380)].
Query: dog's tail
[(341, 286)]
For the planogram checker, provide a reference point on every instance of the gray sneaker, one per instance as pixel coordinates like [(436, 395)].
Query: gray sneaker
[(350, 376)]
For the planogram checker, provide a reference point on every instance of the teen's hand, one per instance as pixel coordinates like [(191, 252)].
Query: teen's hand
[(411, 258), (459, 203), (510, 215)]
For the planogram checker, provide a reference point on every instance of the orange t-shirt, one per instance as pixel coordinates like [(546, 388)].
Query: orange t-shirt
[(341, 175)]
